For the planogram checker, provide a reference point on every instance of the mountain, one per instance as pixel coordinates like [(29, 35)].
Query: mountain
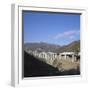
[(72, 47), (41, 47)]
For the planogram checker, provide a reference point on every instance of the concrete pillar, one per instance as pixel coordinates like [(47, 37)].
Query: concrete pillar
[(59, 56), (44, 55), (53, 56), (72, 57), (65, 56)]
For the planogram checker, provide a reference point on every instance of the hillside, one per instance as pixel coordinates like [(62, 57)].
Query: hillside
[(41, 46), (72, 47), (33, 67)]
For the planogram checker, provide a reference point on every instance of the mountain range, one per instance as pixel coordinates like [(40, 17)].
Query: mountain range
[(42, 46)]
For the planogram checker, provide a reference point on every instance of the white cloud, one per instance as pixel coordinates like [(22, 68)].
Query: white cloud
[(67, 35)]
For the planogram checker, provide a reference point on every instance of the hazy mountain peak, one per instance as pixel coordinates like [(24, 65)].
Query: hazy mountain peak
[(43, 46)]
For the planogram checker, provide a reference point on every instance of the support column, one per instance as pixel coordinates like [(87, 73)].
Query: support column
[(65, 56), (73, 58), (59, 56)]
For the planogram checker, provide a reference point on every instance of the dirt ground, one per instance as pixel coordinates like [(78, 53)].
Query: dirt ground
[(64, 65)]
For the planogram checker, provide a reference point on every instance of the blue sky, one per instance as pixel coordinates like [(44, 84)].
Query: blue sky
[(54, 28)]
